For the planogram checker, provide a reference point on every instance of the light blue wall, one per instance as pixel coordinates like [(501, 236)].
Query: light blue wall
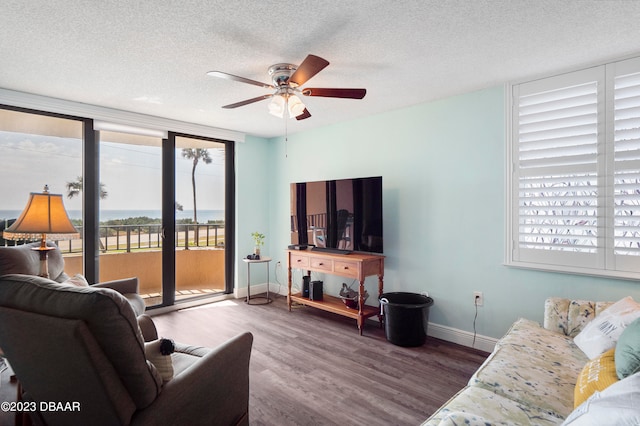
[(252, 203), (443, 174)]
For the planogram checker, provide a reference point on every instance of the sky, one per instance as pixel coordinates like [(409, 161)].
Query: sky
[(131, 174)]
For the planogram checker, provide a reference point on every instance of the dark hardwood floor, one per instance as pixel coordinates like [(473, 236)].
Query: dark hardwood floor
[(310, 367)]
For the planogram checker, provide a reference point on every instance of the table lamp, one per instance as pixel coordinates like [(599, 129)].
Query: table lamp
[(43, 216)]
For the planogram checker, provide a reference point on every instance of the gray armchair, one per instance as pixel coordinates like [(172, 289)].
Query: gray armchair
[(84, 346), (23, 260)]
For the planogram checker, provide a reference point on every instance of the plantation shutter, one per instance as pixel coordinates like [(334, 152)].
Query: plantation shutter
[(557, 140), (626, 176)]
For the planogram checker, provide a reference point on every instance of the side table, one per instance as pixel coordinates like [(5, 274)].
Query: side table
[(249, 262)]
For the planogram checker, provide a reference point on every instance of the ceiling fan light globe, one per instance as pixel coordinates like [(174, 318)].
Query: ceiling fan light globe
[(296, 107), (276, 106)]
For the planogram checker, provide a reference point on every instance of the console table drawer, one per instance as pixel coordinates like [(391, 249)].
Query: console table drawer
[(346, 269), (298, 261), (321, 264)]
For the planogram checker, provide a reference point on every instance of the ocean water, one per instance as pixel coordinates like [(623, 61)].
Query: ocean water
[(203, 215)]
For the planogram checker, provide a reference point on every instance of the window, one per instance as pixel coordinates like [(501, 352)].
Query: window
[(38, 150), (103, 167), (574, 186)]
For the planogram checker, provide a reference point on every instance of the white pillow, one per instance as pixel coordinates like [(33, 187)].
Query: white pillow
[(602, 333), (162, 361), (616, 405)]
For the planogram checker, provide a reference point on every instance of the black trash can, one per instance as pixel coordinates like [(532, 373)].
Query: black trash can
[(406, 316)]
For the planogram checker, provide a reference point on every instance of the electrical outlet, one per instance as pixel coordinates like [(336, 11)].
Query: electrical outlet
[(478, 299)]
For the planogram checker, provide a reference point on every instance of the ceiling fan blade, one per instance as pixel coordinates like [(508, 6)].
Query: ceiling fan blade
[(305, 114), (311, 66), (226, 76), (247, 102), (335, 93)]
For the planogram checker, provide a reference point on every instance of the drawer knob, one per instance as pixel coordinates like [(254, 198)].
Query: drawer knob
[(320, 264)]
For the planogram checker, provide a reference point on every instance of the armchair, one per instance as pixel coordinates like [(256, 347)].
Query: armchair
[(83, 346), (23, 260)]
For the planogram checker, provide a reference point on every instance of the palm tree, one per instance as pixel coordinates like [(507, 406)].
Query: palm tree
[(75, 188), (195, 154)]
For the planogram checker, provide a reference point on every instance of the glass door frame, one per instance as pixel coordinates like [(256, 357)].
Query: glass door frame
[(91, 202), (169, 215)]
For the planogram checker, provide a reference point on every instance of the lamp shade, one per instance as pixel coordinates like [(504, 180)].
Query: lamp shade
[(44, 214)]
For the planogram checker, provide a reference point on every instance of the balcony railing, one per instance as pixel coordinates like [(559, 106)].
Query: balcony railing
[(127, 238)]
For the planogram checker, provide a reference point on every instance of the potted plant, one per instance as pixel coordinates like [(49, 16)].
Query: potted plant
[(258, 240)]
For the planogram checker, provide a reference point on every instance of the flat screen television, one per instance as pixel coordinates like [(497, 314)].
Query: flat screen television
[(342, 215)]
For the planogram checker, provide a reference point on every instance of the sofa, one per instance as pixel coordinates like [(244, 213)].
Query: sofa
[(530, 377)]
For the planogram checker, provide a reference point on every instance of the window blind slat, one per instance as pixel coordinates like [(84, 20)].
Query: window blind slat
[(569, 130), (545, 116), (558, 161), (575, 140), (560, 94), (559, 170)]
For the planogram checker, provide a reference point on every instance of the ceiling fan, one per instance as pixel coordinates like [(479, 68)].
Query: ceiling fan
[(287, 81)]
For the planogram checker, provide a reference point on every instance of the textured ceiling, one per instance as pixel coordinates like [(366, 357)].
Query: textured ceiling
[(152, 56)]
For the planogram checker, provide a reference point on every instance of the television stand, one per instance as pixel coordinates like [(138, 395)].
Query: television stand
[(355, 265)]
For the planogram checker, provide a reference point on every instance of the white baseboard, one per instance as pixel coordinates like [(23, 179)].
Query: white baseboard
[(454, 335), (461, 337), (241, 292)]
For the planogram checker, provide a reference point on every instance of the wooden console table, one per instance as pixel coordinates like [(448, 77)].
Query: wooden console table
[(353, 265)]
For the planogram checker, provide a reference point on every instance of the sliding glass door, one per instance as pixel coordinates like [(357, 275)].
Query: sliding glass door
[(200, 230), (159, 208), (140, 218), (130, 213)]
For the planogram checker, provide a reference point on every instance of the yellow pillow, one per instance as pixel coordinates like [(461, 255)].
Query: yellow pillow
[(597, 375)]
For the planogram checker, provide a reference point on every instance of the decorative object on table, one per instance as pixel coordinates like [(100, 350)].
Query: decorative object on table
[(43, 216), (258, 240), (316, 290), (306, 281), (350, 297)]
